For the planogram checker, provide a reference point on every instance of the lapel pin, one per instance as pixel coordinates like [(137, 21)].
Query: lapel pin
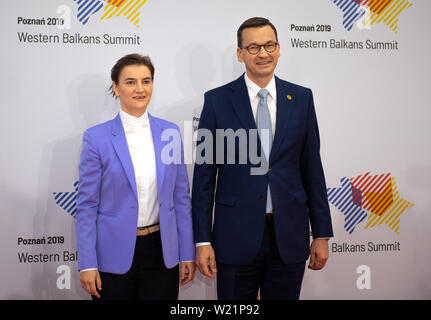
[(289, 97)]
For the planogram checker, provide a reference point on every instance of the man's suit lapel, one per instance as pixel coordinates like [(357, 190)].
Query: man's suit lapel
[(119, 142), (157, 141), (241, 103), (284, 109)]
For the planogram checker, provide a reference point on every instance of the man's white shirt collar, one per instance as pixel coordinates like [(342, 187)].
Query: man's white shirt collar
[(253, 89)]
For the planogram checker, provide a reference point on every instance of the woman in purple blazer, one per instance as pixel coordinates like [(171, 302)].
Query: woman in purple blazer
[(133, 223)]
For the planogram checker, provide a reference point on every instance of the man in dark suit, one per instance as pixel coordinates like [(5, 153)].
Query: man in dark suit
[(260, 237)]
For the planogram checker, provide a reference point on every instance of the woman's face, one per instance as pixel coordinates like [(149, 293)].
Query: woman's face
[(134, 88)]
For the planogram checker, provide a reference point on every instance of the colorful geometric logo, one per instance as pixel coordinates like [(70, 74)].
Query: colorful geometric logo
[(371, 197), (111, 8), (67, 200), (372, 12)]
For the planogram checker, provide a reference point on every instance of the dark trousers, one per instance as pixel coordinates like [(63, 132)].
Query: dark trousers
[(276, 280), (147, 279)]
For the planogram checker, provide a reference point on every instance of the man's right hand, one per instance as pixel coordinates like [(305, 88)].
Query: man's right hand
[(205, 260), (90, 280)]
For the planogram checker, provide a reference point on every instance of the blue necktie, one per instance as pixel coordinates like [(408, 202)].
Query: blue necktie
[(263, 119)]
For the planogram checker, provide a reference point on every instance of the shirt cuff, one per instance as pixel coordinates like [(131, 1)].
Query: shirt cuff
[(88, 269), (198, 244)]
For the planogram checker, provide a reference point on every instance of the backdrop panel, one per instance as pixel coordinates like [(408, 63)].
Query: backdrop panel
[(367, 63)]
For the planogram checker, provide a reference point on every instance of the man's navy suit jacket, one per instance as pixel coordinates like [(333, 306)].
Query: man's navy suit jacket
[(295, 177)]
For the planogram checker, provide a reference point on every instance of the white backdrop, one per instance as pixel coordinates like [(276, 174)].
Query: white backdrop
[(372, 106)]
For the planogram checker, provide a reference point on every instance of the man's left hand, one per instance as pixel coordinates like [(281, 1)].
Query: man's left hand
[(319, 253)]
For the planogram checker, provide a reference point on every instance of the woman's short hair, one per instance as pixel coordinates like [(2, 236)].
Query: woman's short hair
[(130, 60)]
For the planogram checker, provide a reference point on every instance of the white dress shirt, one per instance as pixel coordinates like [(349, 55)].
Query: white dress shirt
[(141, 148), (253, 89)]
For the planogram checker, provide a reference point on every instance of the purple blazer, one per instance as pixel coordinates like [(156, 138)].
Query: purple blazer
[(107, 203)]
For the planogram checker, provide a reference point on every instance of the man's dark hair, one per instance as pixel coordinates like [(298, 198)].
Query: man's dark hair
[(130, 60), (255, 22)]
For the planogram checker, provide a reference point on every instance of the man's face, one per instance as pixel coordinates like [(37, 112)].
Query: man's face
[(261, 65), (134, 89)]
